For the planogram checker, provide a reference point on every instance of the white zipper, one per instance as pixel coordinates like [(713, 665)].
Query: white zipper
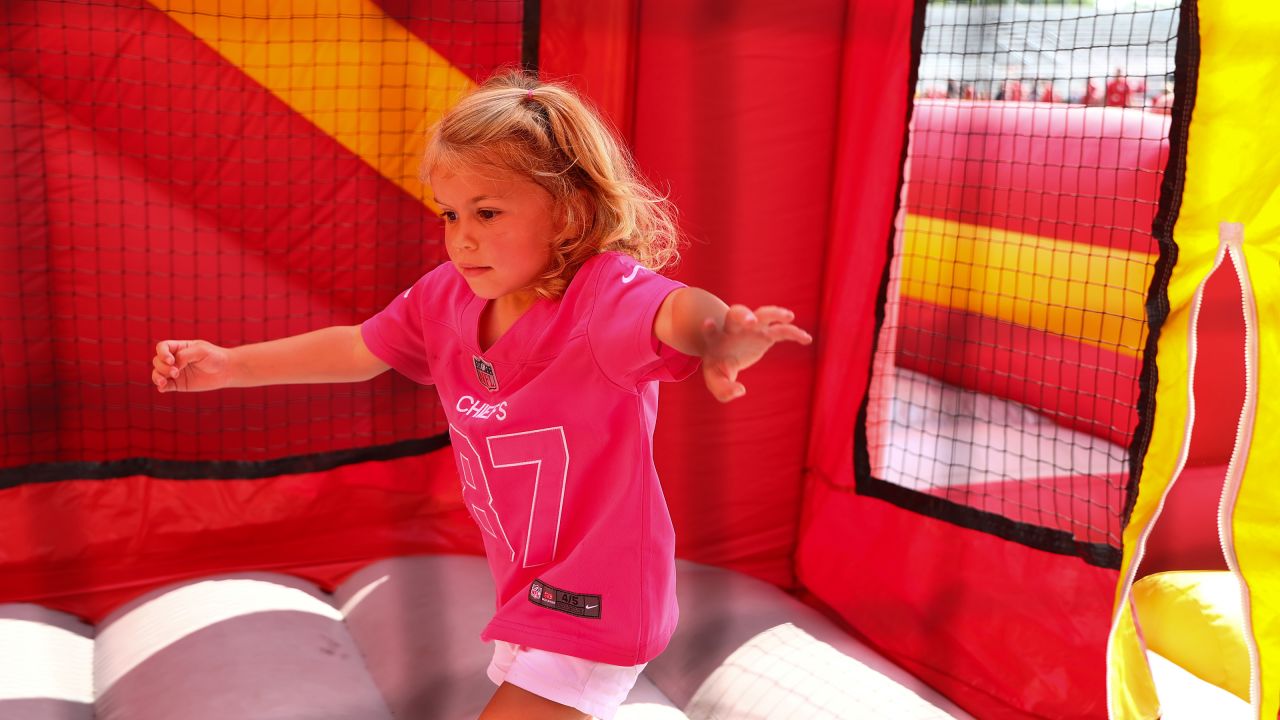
[(1232, 238), (1140, 547)]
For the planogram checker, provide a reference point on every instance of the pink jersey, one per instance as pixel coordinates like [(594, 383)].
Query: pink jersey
[(552, 430)]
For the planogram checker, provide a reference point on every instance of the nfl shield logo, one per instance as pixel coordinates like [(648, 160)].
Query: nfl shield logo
[(485, 374)]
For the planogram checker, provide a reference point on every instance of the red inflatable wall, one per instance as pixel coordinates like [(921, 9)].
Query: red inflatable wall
[(728, 109), (101, 492), (779, 135)]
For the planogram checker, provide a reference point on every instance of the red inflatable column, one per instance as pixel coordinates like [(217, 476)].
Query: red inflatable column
[(735, 111)]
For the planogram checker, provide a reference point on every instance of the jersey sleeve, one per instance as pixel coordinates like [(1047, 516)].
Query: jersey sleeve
[(627, 298), (397, 334)]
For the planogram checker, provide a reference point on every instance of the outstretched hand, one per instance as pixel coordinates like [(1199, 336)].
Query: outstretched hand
[(190, 366), (740, 341)]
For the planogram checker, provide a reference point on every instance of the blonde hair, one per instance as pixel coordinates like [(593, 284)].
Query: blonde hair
[(545, 132)]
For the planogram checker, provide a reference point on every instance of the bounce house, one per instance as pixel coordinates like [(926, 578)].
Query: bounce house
[(1022, 473)]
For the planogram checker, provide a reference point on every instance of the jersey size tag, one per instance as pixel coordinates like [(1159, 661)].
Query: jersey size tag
[(485, 374), (579, 605)]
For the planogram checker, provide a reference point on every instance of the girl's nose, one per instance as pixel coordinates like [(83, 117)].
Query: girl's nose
[(462, 239)]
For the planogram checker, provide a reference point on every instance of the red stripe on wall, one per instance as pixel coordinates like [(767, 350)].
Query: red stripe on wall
[(246, 163), (1077, 385), (184, 200), (1089, 175)]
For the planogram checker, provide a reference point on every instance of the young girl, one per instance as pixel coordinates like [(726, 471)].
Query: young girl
[(545, 336)]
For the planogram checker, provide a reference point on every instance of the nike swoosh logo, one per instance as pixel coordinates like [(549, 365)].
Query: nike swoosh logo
[(592, 607), (634, 271)]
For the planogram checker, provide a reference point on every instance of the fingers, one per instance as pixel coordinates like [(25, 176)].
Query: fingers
[(168, 349), (171, 357), (788, 332), (187, 355), (162, 351), (158, 365), (723, 383), (738, 319), (770, 314), (772, 321), (709, 328), (778, 322)]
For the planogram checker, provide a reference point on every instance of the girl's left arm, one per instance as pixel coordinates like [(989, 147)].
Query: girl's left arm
[(728, 338)]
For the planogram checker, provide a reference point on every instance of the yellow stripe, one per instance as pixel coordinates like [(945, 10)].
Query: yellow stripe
[(1085, 292), (355, 73)]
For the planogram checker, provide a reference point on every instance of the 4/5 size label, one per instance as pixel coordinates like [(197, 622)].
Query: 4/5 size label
[(578, 604)]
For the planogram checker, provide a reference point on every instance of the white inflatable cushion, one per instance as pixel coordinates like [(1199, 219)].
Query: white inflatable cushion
[(255, 646), (46, 665)]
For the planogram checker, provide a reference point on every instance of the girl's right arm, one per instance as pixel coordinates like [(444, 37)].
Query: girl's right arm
[(330, 355)]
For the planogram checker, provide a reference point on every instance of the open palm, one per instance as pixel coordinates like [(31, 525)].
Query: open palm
[(740, 342)]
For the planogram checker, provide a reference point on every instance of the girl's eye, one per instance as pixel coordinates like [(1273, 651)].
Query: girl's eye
[(487, 214), (448, 216)]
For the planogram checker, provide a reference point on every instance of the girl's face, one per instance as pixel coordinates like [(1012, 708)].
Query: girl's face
[(499, 228)]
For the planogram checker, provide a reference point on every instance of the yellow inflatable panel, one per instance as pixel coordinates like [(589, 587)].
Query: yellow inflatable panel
[(1195, 619), (1229, 211)]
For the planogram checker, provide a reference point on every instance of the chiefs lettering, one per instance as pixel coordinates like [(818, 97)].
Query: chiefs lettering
[(472, 407)]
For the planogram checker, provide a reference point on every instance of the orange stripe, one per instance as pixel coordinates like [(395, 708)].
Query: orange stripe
[(355, 73)]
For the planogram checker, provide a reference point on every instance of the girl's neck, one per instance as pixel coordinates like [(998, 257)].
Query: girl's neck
[(516, 303), (500, 314)]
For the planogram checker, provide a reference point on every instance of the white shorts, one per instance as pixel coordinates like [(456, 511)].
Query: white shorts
[(592, 687)]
